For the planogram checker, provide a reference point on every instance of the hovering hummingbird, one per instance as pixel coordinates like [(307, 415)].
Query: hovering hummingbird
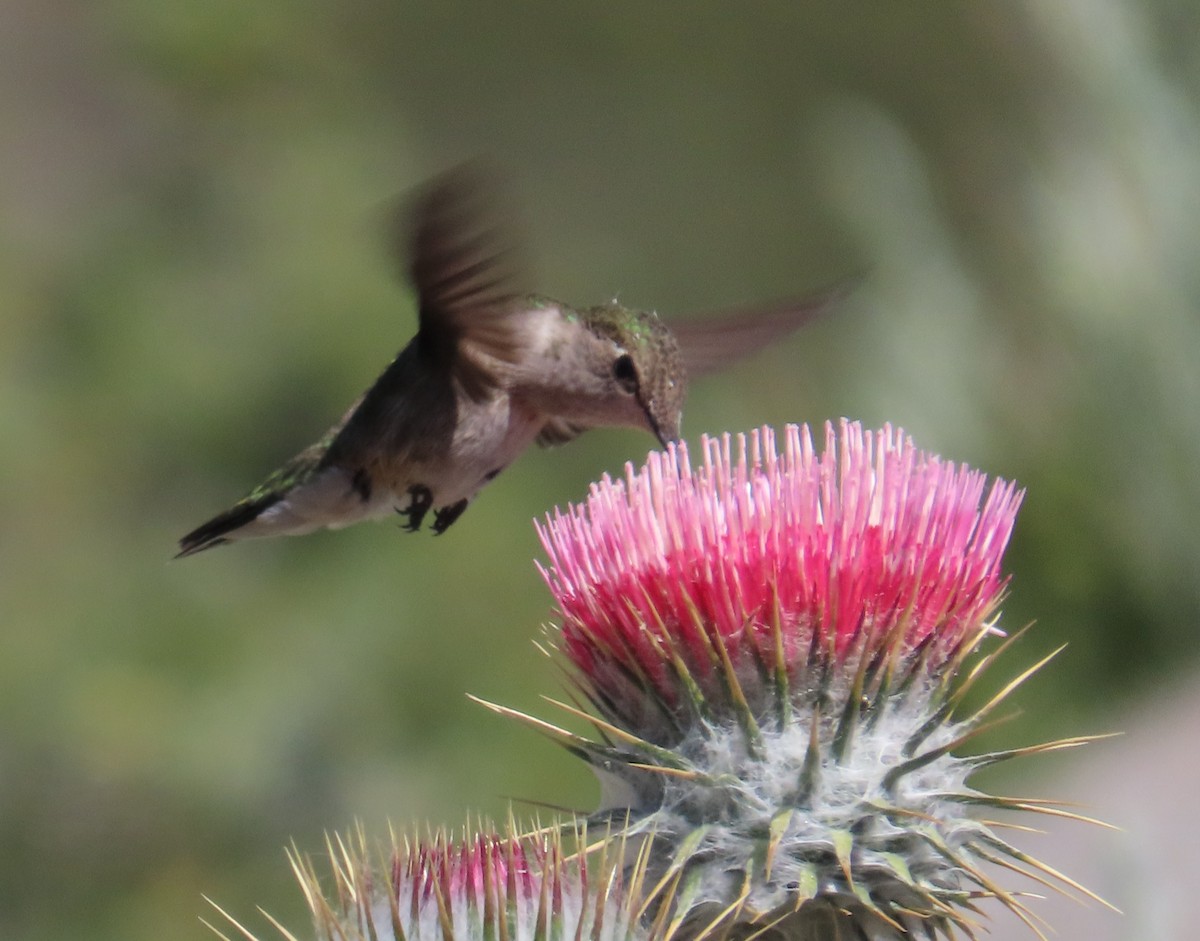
[(489, 372)]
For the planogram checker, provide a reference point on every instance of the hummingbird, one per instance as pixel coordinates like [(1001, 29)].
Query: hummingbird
[(489, 372)]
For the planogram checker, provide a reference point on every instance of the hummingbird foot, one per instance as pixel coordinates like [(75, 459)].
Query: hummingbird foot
[(443, 518), (422, 500)]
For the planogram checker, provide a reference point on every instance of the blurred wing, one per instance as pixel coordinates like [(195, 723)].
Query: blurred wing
[(559, 431), (461, 268), (712, 343)]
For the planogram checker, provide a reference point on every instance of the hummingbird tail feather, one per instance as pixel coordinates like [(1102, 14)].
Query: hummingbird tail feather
[(217, 529)]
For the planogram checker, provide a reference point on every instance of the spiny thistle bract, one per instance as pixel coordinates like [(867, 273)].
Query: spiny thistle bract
[(487, 886), (776, 650)]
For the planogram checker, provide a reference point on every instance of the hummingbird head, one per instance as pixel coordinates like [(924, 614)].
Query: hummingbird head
[(646, 375)]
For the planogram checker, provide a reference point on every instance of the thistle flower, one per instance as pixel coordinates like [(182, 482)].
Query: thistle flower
[(485, 887), (774, 647)]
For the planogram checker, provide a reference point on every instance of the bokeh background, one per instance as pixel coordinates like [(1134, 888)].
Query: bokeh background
[(193, 285)]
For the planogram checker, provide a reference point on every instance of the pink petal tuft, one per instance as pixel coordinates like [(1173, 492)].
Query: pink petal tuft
[(869, 541)]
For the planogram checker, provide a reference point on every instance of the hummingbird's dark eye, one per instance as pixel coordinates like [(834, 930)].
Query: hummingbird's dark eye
[(625, 373)]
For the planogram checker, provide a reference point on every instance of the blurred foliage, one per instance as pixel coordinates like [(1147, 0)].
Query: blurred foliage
[(193, 286)]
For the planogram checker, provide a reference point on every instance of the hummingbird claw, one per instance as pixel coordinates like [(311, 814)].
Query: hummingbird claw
[(443, 518), (422, 500)]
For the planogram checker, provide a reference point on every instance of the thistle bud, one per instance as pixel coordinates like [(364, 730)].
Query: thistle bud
[(489, 886)]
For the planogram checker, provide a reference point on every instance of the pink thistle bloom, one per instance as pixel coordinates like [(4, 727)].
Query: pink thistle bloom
[(868, 546), (773, 643)]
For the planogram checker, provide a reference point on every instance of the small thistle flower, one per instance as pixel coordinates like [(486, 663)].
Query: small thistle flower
[(775, 649), (486, 887)]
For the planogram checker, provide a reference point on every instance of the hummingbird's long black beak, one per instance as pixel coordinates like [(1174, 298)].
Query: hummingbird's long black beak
[(663, 438)]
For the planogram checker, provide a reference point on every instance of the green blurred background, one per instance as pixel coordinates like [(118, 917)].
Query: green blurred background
[(193, 286)]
